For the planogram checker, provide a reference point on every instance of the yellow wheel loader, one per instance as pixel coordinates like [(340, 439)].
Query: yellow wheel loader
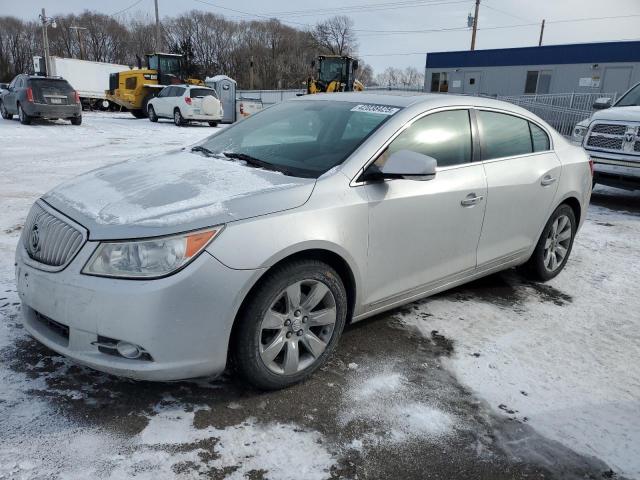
[(334, 74), (133, 89)]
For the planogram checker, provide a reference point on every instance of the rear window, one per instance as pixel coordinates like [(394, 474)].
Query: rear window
[(51, 86), (202, 92), (504, 135)]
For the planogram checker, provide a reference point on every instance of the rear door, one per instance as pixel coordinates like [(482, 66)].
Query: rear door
[(522, 178)]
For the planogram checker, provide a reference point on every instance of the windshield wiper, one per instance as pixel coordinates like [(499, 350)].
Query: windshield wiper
[(205, 150), (256, 162)]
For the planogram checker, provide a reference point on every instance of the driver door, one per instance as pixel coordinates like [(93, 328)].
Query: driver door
[(425, 233)]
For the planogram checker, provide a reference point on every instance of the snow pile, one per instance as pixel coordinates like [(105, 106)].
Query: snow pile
[(241, 449), (385, 398), (564, 362)]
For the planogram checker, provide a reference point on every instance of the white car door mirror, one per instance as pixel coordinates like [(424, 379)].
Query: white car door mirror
[(404, 164)]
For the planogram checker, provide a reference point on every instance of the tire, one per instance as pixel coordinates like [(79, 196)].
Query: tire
[(276, 344), (76, 120), (178, 119), (4, 112), (24, 118), (138, 114), (552, 242), (213, 124), (152, 114)]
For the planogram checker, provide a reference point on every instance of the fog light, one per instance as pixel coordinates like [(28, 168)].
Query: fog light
[(128, 350)]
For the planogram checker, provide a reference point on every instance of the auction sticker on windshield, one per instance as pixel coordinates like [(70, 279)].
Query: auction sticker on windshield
[(379, 109)]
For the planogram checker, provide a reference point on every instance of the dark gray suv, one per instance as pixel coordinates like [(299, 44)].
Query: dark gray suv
[(30, 96)]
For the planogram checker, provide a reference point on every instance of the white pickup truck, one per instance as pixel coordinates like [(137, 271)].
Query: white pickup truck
[(611, 137)]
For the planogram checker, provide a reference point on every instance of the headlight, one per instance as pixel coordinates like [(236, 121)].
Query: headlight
[(579, 132), (149, 258)]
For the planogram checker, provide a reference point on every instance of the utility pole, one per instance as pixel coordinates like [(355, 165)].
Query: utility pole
[(541, 33), (251, 73), (77, 29), (46, 21), (475, 26), (158, 36)]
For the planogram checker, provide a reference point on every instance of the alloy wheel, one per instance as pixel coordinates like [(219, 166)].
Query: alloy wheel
[(556, 245), (297, 327)]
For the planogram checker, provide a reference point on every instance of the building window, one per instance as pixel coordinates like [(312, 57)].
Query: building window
[(538, 81), (439, 82), (131, 83)]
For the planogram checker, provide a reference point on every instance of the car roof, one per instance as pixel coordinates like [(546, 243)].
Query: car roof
[(410, 99)]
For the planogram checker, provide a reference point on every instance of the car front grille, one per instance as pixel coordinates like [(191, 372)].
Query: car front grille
[(605, 142), (50, 240), (609, 129), (614, 137)]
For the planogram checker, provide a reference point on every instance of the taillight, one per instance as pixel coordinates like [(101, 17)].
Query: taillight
[(77, 97), (591, 166), (187, 100), (29, 95)]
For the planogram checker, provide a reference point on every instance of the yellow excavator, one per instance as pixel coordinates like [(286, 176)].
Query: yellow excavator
[(133, 89), (335, 73)]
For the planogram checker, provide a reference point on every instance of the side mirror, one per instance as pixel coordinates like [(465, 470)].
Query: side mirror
[(601, 103), (404, 164), (355, 65)]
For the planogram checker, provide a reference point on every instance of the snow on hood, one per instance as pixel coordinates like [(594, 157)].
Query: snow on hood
[(618, 113), (174, 192)]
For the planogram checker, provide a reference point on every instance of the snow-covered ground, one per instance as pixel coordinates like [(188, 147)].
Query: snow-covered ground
[(562, 358)]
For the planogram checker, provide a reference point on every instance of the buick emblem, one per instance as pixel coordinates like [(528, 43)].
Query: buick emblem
[(34, 239), (629, 137)]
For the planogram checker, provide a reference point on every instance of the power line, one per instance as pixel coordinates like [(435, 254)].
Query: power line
[(125, 9), (505, 13), (365, 8)]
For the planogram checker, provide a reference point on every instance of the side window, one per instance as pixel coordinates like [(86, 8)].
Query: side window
[(163, 92), (131, 83), (445, 136), (503, 135), (539, 138), (177, 91)]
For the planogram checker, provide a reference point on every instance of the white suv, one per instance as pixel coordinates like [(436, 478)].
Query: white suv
[(184, 103)]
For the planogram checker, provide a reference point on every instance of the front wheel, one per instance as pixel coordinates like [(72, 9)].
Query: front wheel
[(290, 325), (24, 118), (152, 114), (76, 120), (554, 246)]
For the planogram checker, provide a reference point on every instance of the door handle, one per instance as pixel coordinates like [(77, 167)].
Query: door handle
[(471, 200), (547, 180)]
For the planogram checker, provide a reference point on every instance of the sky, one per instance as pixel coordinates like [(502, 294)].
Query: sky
[(399, 33)]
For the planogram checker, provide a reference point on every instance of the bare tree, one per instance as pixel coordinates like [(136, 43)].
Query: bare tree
[(336, 36)]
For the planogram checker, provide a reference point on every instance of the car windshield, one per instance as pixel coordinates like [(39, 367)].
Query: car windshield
[(202, 92), (631, 99), (302, 138)]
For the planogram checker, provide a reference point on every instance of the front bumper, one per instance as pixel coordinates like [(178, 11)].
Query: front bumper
[(182, 321), (616, 172), (52, 111)]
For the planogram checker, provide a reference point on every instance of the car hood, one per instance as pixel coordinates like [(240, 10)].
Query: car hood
[(172, 193), (622, 114)]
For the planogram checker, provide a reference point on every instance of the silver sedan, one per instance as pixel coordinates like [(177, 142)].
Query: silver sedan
[(259, 244)]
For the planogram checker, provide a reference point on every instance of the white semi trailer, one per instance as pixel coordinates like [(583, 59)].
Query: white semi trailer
[(89, 79)]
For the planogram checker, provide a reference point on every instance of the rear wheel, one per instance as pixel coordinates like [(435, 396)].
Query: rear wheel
[(554, 246), (213, 124), (138, 113), (76, 120), (178, 119), (152, 114), (290, 326), (4, 112), (24, 118)]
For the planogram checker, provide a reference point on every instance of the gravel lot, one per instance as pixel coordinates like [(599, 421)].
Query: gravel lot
[(497, 379)]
